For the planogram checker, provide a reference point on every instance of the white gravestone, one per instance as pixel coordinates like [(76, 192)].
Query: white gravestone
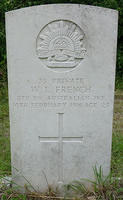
[(61, 74)]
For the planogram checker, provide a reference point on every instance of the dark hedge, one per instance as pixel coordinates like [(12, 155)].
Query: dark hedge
[(7, 5)]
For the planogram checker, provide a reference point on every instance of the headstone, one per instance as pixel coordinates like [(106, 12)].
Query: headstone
[(61, 74)]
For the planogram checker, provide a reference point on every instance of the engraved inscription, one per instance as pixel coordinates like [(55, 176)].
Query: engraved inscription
[(60, 93), (60, 44)]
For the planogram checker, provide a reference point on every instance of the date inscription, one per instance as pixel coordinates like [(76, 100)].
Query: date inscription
[(60, 93)]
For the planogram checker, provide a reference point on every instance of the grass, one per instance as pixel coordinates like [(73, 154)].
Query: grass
[(5, 168), (117, 155), (117, 139), (116, 163), (104, 187)]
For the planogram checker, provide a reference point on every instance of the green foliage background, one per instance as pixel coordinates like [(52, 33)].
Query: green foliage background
[(7, 5)]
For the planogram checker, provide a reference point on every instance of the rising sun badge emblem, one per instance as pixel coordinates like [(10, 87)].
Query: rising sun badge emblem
[(60, 44)]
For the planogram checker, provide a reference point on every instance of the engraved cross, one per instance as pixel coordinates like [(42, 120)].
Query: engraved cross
[(60, 140)]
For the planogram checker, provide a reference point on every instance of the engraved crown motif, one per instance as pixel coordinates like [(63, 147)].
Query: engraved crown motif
[(60, 44)]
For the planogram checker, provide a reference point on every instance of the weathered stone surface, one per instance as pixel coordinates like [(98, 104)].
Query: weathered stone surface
[(61, 69)]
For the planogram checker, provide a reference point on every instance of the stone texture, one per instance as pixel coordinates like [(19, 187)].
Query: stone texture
[(61, 73)]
